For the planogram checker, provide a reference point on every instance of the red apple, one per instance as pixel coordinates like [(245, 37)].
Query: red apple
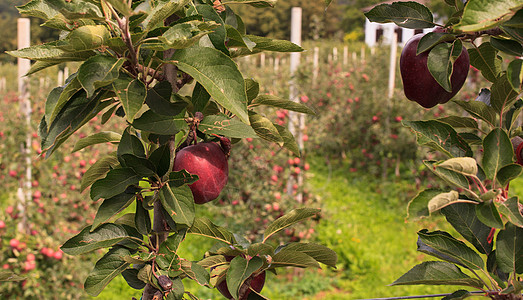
[(209, 162), (257, 283), (418, 83)]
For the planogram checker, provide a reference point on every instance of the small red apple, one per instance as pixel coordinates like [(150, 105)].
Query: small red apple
[(209, 162), (418, 83), (257, 283)]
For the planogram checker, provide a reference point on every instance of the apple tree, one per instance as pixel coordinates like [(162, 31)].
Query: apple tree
[(166, 68), (483, 146)]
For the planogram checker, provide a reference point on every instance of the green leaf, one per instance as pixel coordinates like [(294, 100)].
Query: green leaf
[(98, 170), (260, 249), (450, 176), (112, 206), (182, 177), (196, 272), (462, 216), (42, 9), (218, 74), (439, 136), (75, 113), (275, 101), (142, 219), (418, 207), (162, 10), (488, 214), (509, 253), (204, 227), (510, 209), (431, 39), (292, 258), (121, 6), (40, 65), (508, 173), (405, 14), (106, 235), (444, 199), (222, 125), (502, 94), (508, 46), (264, 128), (256, 3), (446, 244), (239, 270), (460, 122), (219, 34), (268, 44), (87, 37), (59, 97), (131, 277), (439, 64), (130, 144), (253, 89), (115, 182), (200, 98), (161, 158), (179, 204), (99, 71), (479, 109), (515, 74), (241, 41), (289, 219), (131, 93), (140, 165), (319, 252), (181, 35), (167, 258), (497, 152), (422, 247), (159, 124), (437, 273), (7, 275), (97, 138), (457, 295), (485, 59), (483, 14), (288, 140), (105, 269), (50, 52), (159, 100)]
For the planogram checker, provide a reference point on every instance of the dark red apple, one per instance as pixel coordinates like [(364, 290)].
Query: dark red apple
[(256, 284), (209, 162), (418, 83)]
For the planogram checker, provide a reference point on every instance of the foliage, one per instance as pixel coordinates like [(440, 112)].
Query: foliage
[(135, 58), (479, 162)]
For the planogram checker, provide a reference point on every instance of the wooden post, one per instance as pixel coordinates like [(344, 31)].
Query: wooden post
[(296, 121), (66, 73), (315, 65), (262, 60), (362, 54), (60, 77), (24, 191), (345, 55), (334, 54), (392, 78)]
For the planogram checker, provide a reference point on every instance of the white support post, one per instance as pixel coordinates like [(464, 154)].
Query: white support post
[(335, 54), (296, 121), (24, 191), (392, 65), (345, 55), (66, 73), (60, 77), (262, 60), (315, 65)]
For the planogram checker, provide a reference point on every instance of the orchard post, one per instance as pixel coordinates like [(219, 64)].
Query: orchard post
[(296, 121), (345, 55), (24, 192), (315, 64)]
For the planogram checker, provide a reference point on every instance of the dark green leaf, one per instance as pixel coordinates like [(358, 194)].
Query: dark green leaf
[(179, 178), (159, 100), (462, 216), (140, 165), (196, 272), (161, 11), (97, 138), (509, 253), (292, 258), (439, 136), (59, 97), (440, 64), (418, 206), (450, 176), (457, 295), (481, 15), (107, 268), (508, 173), (488, 214), (161, 158), (112, 206), (448, 245), (510, 209), (167, 258), (260, 249), (131, 93), (319, 252), (106, 235), (508, 46), (485, 59), (502, 95), (405, 14), (131, 277), (437, 273), (264, 128), (497, 152), (50, 52), (239, 270), (99, 71), (460, 122), (115, 182), (515, 74), (199, 98), (289, 141), (179, 204), (98, 170), (239, 40), (422, 247), (142, 219), (219, 34), (253, 89), (218, 74), (155, 123), (479, 110), (431, 39)]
